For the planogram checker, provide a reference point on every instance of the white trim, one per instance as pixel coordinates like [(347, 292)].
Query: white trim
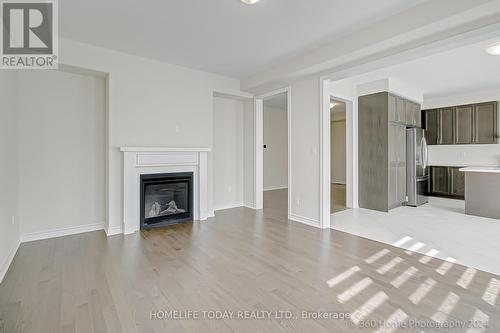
[(228, 206), (59, 232), (259, 153), (351, 152), (250, 205), (305, 220), (8, 261), (259, 141), (273, 188), (210, 214), (324, 156), (163, 149), (116, 230)]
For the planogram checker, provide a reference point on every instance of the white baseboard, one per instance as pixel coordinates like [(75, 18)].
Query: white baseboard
[(228, 206), (34, 236), (8, 261), (116, 230), (304, 220), (272, 188), (250, 205)]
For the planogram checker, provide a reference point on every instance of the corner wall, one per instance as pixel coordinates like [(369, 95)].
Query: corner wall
[(249, 153), (62, 178), (305, 160), (227, 153), (9, 221), (150, 104)]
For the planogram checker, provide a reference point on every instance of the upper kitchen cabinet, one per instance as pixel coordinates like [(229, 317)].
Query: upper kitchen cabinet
[(412, 114), (464, 124), (430, 124), (404, 111), (485, 117), (445, 126), (397, 111)]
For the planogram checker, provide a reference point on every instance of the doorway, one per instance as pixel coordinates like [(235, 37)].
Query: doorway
[(275, 155), (338, 156), (272, 171)]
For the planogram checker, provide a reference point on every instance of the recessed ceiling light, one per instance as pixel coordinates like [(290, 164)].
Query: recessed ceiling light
[(250, 2), (332, 105), (493, 49)]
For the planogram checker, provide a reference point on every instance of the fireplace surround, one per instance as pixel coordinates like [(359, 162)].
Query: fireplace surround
[(139, 161)]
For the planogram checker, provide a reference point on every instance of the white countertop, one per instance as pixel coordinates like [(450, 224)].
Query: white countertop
[(486, 169)]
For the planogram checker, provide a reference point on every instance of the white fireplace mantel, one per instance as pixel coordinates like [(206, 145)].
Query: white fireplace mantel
[(139, 161), (162, 149)]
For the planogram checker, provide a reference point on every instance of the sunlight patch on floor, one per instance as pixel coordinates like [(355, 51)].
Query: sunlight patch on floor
[(366, 309), (466, 277), (491, 293), (343, 276), (354, 290), (446, 307), (390, 265)]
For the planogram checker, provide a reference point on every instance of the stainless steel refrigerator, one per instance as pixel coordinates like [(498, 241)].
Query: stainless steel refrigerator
[(417, 171)]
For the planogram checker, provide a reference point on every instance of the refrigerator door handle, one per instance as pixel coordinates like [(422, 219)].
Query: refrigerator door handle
[(424, 153)]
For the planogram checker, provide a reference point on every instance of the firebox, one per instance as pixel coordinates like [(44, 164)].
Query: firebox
[(166, 199)]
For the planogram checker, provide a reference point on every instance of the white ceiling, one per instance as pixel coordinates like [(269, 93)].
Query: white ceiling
[(456, 71), (219, 36), (277, 101)]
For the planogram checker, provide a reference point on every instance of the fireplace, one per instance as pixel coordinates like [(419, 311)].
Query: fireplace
[(166, 199)]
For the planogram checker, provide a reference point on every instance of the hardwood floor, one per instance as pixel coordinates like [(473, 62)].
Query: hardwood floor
[(239, 260)]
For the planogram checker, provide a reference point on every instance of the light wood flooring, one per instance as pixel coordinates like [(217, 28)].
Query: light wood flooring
[(240, 260)]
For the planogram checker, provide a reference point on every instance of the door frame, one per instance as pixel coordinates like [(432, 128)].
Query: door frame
[(325, 158), (259, 146)]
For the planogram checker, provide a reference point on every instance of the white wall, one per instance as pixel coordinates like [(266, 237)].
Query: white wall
[(9, 218), (305, 160), (338, 151), (150, 104), (61, 152), (276, 151), (228, 152), (249, 153)]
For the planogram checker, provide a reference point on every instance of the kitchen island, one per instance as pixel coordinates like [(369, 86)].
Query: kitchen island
[(482, 191)]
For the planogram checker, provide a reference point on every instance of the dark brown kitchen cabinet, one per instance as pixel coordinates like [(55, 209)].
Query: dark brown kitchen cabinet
[(445, 126), (382, 151), (430, 124), (412, 114), (486, 122), (447, 181), (400, 110), (457, 186), (464, 124), (440, 181)]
